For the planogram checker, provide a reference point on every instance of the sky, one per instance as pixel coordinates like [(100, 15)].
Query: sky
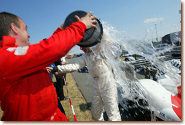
[(138, 19)]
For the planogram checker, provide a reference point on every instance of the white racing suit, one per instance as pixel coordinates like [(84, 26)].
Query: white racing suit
[(104, 91)]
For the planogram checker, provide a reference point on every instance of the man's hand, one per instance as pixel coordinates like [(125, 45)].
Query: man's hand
[(89, 20), (49, 69)]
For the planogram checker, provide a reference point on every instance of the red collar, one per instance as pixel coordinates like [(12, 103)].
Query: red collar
[(8, 41)]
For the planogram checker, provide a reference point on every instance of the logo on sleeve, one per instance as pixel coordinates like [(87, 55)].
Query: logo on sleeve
[(19, 50)]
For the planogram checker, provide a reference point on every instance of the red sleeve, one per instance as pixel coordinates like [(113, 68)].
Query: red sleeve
[(58, 30), (44, 53)]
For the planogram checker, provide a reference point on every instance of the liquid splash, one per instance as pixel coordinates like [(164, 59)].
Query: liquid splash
[(110, 49)]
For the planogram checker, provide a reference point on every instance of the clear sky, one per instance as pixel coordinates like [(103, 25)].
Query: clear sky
[(137, 18)]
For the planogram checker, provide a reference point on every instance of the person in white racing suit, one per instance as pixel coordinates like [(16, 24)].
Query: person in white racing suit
[(104, 88)]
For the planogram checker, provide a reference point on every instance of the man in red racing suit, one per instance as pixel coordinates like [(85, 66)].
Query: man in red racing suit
[(26, 90)]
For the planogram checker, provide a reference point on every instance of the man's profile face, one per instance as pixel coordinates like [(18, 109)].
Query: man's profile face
[(85, 49), (23, 34)]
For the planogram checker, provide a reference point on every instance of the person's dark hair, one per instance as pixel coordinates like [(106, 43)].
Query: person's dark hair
[(5, 20)]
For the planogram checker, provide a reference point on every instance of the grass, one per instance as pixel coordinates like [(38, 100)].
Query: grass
[(81, 109)]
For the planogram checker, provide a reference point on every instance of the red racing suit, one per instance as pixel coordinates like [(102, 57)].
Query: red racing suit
[(26, 90)]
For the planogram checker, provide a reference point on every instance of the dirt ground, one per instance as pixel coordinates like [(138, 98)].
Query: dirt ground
[(81, 109)]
